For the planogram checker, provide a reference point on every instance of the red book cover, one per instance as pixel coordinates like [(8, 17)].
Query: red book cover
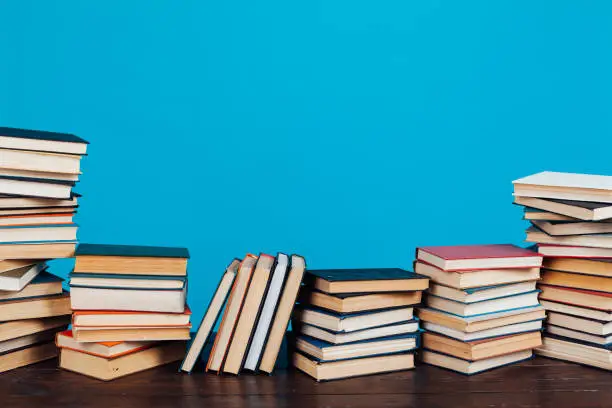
[(479, 251)]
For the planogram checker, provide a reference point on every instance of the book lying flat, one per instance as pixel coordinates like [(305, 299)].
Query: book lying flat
[(482, 322), (20, 328), (65, 340), (28, 233), (37, 219), (531, 214), (565, 349), (524, 327), (34, 308), (596, 267), (476, 279), (579, 336), (7, 346), (40, 174), (359, 302), (40, 161), (575, 280), (16, 279), (38, 140), (107, 369), (335, 281), (577, 297), (595, 240), (573, 228), (38, 249), (352, 368), (210, 318), (565, 186), (481, 293), (131, 260), (112, 333), (402, 328), (145, 300), (579, 210), (587, 313), (36, 187), (477, 257), (27, 356), (36, 203), (345, 323), (44, 284), (483, 307), (127, 281), (326, 352), (473, 367), (118, 318)]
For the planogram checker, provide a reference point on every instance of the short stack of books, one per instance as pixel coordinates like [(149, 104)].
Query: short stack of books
[(571, 217), (353, 322), (129, 310), (259, 293), (482, 306)]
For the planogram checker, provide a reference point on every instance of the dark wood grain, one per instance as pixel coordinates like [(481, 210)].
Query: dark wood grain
[(535, 383)]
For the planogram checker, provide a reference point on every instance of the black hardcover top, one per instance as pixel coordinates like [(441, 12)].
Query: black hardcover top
[(340, 275), (39, 180), (40, 135), (131, 250)]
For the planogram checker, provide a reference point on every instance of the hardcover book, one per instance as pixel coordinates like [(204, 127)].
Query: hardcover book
[(469, 367), (334, 281), (577, 210), (44, 284), (38, 140), (359, 302), (565, 186), (350, 322), (65, 340), (401, 328)]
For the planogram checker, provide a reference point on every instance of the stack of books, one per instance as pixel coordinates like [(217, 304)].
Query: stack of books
[(259, 293), (482, 307), (129, 310), (353, 322), (571, 223)]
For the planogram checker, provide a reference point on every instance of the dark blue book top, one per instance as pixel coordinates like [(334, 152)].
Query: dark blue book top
[(40, 135), (583, 342), (40, 180), (340, 275), (321, 344), (45, 277), (131, 250), (350, 314)]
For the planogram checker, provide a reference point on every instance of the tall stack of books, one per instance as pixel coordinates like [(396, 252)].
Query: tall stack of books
[(570, 217), (482, 306), (353, 322), (129, 310), (259, 293), (37, 172)]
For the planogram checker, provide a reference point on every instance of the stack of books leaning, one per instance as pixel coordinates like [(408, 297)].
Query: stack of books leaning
[(129, 310), (571, 223), (259, 293), (482, 306), (352, 322)]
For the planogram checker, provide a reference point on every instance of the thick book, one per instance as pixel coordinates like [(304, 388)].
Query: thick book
[(27, 356), (283, 314), (249, 315), (350, 322), (29, 233), (565, 186), (129, 318), (39, 161), (573, 228), (476, 279), (65, 340), (98, 280), (35, 187), (587, 313), (577, 210), (538, 236), (336, 281), (231, 313), (15, 280), (575, 280), (20, 328), (401, 328), (478, 257), (577, 297), (473, 295), (210, 318), (144, 300), (107, 369), (39, 140), (326, 352), (37, 249), (572, 251), (595, 267), (131, 260), (267, 312), (468, 367), (518, 301), (34, 308), (99, 334), (43, 284), (36, 219), (524, 327), (580, 336), (336, 370), (565, 349), (359, 302)]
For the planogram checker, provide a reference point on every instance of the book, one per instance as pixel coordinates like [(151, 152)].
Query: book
[(575, 280), (38, 140), (577, 311), (476, 279), (44, 284), (359, 302), (352, 368), (40, 161), (65, 340), (15, 280), (579, 210), (524, 327), (595, 240), (481, 322), (482, 293), (596, 267), (249, 315), (29, 233), (21, 212), (20, 328), (35, 187), (149, 300), (573, 228), (402, 328), (262, 328), (127, 281), (231, 313), (119, 318), (535, 214), (210, 318), (565, 349), (34, 308), (131, 260), (88, 334), (479, 257), (37, 203), (349, 322), (40, 249), (336, 281), (107, 369), (577, 297), (36, 219), (27, 356), (582, 337), (565, 186), (40, 174), (569, 251), (283, 314), (473, 367), (9, 345), (522, 300), (481, 349), (326, 352)]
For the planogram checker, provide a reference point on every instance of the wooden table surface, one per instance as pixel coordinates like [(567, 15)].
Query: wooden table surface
[(536, 383)]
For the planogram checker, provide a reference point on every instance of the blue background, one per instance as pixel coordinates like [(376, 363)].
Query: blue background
[(346, 131)]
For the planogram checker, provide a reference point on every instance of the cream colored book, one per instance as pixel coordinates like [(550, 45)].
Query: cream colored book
[(565, 186), (27, 356)]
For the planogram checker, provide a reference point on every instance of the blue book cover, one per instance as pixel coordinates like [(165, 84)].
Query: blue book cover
[(342, 316), (131, 251), (9, 227), (322, 344), (367, 274), (40, 135)]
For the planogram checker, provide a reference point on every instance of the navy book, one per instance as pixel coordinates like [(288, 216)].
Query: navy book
[(343, 275), (40, 135), (371, 280), (131, 251)]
